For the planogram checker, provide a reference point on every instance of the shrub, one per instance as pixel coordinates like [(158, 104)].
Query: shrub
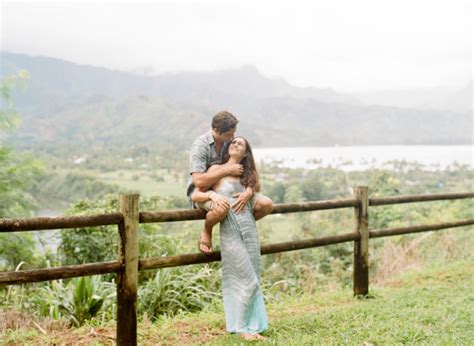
[(179, 289), (80, 300)]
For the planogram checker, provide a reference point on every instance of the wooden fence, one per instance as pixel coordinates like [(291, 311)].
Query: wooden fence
[(128, 262)]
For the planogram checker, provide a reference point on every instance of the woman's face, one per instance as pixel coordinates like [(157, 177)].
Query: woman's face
[(237, 148)]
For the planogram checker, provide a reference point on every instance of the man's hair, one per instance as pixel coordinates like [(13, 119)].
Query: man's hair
[(224, 121)]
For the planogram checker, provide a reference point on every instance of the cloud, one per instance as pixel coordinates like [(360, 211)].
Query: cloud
[(361, 44)]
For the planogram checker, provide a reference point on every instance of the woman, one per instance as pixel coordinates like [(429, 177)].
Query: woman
[(240, 247)]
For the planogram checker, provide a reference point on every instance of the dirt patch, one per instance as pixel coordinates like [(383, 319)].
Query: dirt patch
[(11, 320), (180, 333), (395, 284), (92, 336), (19, 328)]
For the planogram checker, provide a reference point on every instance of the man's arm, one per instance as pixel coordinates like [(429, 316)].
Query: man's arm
[(218, 200), (204, 181)]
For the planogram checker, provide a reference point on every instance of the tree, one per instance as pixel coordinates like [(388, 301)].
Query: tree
[(384, 183), (9, 117), (96, 244), (17, 172)]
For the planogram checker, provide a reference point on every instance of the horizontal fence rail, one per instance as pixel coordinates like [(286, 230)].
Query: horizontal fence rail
[(64, 272), (181, 260), (375, 201), (128, 264), (185, 215), (62, 222), (387, 232), (171, 215), (44, 223), (314, 206)]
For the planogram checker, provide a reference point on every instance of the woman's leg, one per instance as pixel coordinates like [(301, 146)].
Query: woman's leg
[(213, 216), (262, 207), (240, 251)]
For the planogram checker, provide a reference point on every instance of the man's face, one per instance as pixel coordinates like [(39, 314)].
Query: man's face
[(225, 136)]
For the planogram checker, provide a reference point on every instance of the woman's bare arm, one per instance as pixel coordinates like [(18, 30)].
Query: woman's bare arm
[(214, 174), (203, 196)]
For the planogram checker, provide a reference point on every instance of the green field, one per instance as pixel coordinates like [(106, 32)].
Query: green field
[(144, 182), (431, 306)]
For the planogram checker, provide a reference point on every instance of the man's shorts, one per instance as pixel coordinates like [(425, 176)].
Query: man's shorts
[(208, 204)]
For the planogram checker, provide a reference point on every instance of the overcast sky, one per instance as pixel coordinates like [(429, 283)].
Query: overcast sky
[(348, 45)]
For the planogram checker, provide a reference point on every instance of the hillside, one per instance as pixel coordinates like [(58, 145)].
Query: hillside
[(70, 104), (441, 98)]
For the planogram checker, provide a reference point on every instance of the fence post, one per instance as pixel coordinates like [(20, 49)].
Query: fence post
[(127, 278), (361, 247)]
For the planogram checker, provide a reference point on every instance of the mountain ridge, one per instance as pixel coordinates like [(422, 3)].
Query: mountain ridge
[(67, 103)]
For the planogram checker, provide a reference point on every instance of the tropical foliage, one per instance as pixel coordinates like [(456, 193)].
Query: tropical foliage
[(18, 172), (78, 300)]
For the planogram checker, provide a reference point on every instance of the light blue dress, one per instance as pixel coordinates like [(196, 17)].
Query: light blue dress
[(240, 250)]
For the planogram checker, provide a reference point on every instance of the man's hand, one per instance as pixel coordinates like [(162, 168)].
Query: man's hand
[(235, 169), (219, 200), (241, 201)]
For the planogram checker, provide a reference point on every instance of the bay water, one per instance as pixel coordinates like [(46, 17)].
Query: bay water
[(357, 158)]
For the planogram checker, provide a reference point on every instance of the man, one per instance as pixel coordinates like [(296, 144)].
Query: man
[(207, 151)]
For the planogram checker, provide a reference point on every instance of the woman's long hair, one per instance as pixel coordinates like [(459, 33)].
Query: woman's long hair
[(249, 177)]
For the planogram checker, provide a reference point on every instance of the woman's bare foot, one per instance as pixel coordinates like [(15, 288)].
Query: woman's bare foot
[(252, 336), (205, 243)]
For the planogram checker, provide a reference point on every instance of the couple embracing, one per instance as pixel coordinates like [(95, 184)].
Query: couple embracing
[(224, 182)]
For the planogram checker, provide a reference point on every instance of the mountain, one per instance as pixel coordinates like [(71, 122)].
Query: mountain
[(66, 103), (65, 80), (455, 99), (458, 100)]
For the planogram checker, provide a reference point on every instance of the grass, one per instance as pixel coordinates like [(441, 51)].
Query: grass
[(432, 306), (145, 182)]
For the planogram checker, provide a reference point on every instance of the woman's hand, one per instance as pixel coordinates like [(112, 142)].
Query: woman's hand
[(242, 199), (218, 200)]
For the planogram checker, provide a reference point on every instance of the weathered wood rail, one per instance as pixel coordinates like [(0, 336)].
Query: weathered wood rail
[(128, 262)]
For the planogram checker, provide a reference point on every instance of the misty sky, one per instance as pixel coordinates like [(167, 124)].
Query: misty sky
[(347, 45)]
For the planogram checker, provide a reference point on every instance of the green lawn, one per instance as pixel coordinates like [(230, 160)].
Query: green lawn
[(144, 182), (434, 306)]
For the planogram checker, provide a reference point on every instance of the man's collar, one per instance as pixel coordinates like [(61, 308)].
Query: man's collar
[(209, 137)]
